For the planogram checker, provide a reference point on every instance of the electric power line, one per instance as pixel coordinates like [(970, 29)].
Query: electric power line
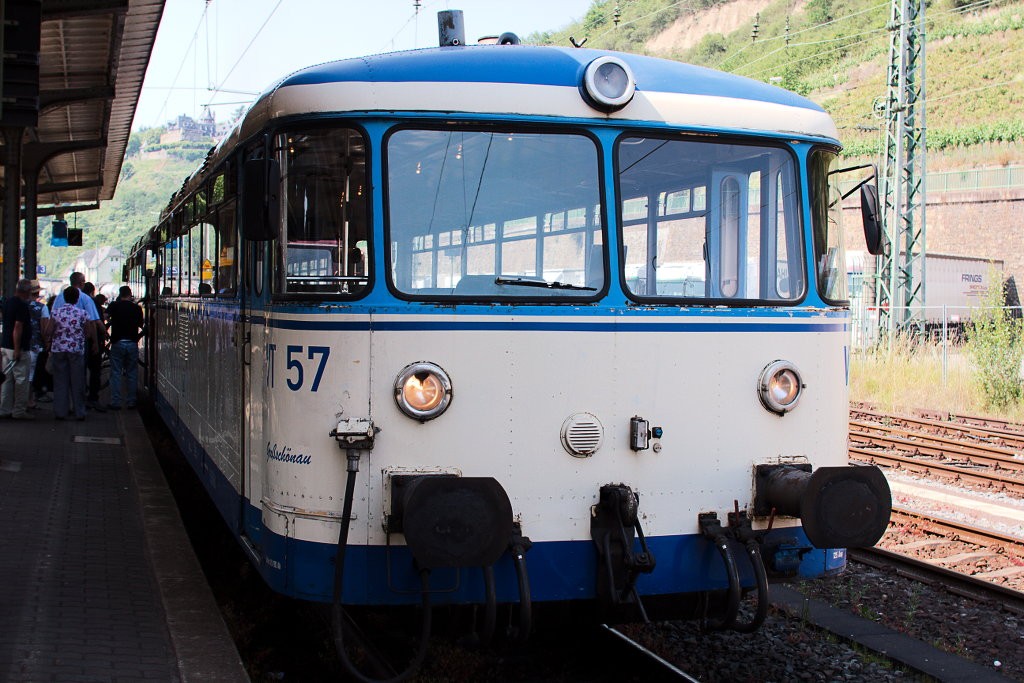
[(181, 66), (813, 27), (251, 41)]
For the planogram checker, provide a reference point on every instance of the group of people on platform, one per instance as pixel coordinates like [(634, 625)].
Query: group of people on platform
[(60, 345)]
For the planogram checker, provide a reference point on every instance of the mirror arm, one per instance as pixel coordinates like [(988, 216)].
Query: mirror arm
[(874, 174)]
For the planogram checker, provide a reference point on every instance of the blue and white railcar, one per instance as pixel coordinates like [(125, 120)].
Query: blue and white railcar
[(574, 315)]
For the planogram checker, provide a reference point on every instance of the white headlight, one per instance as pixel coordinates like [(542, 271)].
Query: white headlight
[(608, 82), (423, 391), (780, 387)]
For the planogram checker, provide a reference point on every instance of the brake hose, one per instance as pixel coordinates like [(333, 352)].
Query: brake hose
[(337, 611), (525, 599), (761, 574), (490, 607), (732, 605)]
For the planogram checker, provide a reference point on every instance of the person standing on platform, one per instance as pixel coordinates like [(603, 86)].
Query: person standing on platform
[(126, 329), (40, 338), (94, 357), (71, 329), (85, 303), (16, 351)]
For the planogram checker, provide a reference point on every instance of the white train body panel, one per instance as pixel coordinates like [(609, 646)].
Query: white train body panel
[(513, 391)]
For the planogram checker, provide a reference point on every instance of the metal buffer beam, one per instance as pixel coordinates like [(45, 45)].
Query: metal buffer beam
[(900, 287)]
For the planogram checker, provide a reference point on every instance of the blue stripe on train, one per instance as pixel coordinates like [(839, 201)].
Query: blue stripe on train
[(385, 576), (539, 326)]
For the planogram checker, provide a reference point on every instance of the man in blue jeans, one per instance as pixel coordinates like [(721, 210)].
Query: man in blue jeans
[(15, 353), (126, 329)]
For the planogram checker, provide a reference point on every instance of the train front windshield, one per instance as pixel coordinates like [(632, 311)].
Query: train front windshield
[(708, 220), (494, 214), (512, 214)]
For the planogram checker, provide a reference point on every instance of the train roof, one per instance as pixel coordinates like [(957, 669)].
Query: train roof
[(530, 81), (522, 80)]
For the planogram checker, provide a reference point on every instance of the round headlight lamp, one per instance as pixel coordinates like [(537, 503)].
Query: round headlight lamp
[(423, 391), (780, 387), (608, 83)]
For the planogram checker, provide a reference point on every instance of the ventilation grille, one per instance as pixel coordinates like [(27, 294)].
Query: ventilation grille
[(582, 435)]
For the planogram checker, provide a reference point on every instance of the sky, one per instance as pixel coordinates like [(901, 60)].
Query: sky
[(222, 53)]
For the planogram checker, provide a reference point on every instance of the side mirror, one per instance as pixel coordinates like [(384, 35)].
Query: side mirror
[(260, 208), (869, 211)]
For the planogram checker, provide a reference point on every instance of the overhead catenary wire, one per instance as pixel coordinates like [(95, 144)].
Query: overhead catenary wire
[(414, 20), (978, 4), (642, 17), (195, 35), (807, 57), (249, 45), (807, 44), (765, 41)]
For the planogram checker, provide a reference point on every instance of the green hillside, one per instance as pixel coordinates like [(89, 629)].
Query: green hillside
[(836, 52), (145, 186)]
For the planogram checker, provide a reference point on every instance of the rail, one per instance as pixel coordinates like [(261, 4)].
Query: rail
[(931, 574)]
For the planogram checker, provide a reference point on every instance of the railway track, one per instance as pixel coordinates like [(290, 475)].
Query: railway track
[(952, 426), (992, 480), (956, 549), (934, 575), (987, 423), (649, 666), (975, 455), (955, 449), (892, 438)]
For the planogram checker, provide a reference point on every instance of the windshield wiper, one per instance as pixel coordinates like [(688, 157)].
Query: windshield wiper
[(520, 282)]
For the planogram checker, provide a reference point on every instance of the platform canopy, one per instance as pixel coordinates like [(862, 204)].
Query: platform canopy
[(93, 56)]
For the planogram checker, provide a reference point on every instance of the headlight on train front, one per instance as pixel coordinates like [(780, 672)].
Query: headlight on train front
[(423, 391), (780, 387), (608, 84)]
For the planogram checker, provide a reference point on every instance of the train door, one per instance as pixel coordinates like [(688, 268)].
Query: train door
[(254, 293), (252, 360), (152, 267)]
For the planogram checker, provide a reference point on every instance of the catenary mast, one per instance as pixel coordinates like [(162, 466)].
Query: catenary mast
[(900, 290)]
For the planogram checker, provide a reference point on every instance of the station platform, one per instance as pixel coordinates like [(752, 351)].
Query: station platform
[(98, 581)]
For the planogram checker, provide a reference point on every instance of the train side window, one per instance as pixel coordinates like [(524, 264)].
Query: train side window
[(175, 259), (195, 257), (217, 190), (826, 213), (494, 214), (208, 256), (322, 248), (165, 271), (227, 240)]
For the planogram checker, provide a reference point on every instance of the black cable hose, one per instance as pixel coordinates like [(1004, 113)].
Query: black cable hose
[(636, 595), (337, 611), (761, 574), (490, 607), (732, 605), (525, 599)]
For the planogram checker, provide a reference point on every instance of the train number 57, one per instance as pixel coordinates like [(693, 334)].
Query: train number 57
[(296, 367)]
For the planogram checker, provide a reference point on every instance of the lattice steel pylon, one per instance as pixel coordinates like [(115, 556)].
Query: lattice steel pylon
[(900, 289)]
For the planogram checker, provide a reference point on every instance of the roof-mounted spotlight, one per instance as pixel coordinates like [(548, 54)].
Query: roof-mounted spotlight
[(608, 84)]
